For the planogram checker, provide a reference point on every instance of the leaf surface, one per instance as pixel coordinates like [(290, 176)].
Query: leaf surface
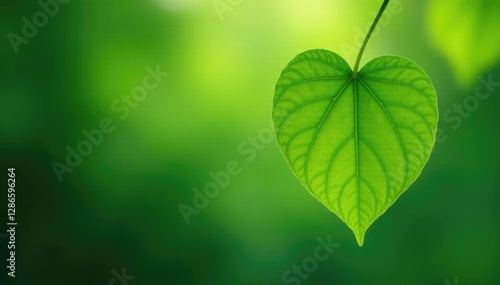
[(356, 142)]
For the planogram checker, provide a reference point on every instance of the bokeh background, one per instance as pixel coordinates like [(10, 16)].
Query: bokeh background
[(119, 207)]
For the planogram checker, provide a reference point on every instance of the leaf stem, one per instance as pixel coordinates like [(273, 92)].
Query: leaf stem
[(379, 15)]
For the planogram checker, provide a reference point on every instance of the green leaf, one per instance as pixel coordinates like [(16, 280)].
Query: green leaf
[(466, 32), (356, 141)]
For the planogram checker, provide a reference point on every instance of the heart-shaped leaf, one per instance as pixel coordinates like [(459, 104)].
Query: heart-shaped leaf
[(356, 140)]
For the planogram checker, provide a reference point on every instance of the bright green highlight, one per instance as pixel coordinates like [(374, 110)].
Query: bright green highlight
[(466, 32)]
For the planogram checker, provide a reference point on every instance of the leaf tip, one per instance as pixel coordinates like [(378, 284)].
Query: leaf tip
[(360, 235), (360, 239)]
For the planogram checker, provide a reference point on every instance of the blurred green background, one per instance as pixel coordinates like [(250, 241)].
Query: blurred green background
[(119, 207)]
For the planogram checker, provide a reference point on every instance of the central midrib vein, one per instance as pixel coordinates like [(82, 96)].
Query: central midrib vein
[(356, 148)]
